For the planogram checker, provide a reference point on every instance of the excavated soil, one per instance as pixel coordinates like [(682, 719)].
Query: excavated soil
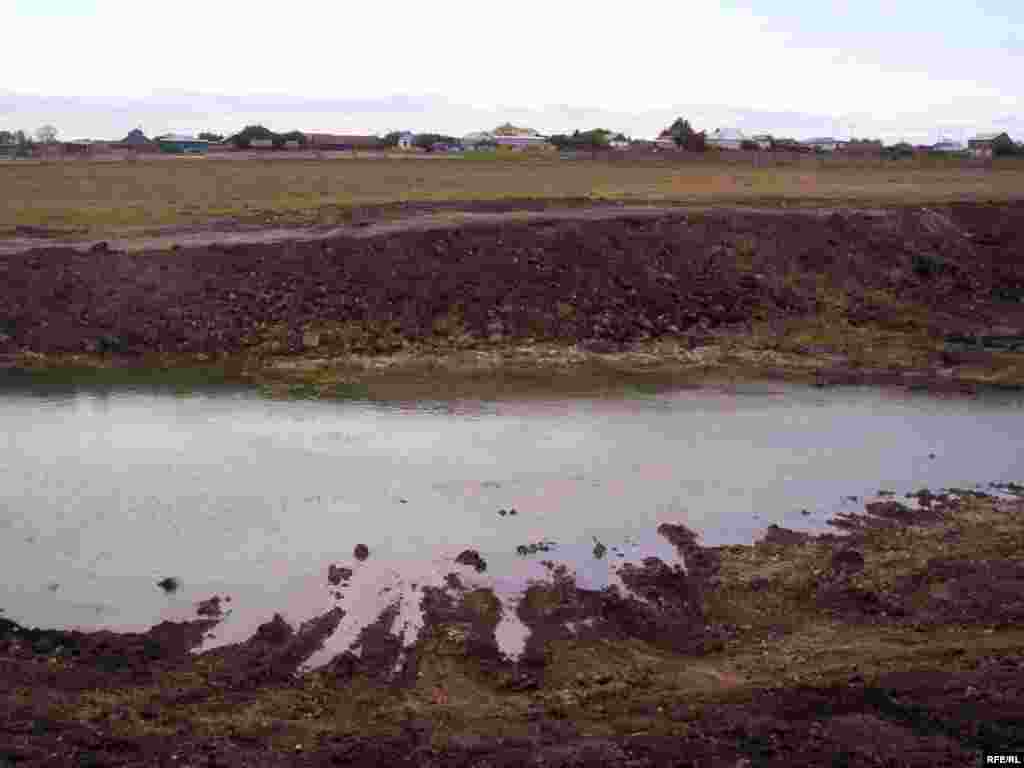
[(895, 643), (607, 279)]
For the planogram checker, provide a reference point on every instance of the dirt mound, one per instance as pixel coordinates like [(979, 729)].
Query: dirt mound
[(608, 280)]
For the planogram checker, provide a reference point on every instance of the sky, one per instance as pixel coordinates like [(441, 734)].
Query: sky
[(911, 70)]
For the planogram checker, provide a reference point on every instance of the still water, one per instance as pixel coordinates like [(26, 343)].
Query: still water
[(105, 492)]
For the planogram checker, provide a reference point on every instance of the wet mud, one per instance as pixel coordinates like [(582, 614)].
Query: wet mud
[(895, 641)]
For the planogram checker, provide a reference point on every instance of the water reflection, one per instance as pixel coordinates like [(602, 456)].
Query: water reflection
[(105, 490)]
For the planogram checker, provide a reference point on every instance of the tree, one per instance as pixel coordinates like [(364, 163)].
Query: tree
[(685, 137), (7, 137), (1003, 146), (46, 134), (749, 145), (298, 136), (597, 138), (208, 136), (244, 138)]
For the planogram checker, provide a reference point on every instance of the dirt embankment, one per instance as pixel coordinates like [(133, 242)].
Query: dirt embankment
[(896, 642), (604, 281)]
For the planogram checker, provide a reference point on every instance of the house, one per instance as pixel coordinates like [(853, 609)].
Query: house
[(405, 140), (8, 150), (508, 135), (618, 141), (726, 138), (986, 144), (822, 144), (947, 147), (136, 141), (763, 140), (181, 144), (665, 140), (331, 141), (261, 143), (478, 140)]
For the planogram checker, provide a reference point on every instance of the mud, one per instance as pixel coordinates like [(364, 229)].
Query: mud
[(895, 643)]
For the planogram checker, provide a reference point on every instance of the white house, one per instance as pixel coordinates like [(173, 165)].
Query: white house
[(763, 140), (726, 138), (508, 135), (475, 139), (405, 140)]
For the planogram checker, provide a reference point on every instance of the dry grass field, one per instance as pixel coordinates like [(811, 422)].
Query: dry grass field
[(94, 198)]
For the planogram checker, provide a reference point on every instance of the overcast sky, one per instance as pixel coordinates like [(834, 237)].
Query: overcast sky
[(913, 70)]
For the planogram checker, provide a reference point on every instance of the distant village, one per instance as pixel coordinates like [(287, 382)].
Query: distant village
[(679, 137)]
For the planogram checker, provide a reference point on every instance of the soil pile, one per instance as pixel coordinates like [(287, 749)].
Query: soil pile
[(608, 281)]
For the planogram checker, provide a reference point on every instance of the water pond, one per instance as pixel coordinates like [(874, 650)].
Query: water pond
[(106, 491)]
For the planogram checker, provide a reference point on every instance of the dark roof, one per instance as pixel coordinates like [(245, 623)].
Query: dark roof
[(135, 136), (988, 138)]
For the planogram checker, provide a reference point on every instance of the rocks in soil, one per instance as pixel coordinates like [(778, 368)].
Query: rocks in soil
[(337, 574), (170, 584), (534, 548), (612, 281), (472, 558), (211, 607), (847, 561)]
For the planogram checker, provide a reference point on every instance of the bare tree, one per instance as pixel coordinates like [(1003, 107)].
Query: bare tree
[(46, 134)]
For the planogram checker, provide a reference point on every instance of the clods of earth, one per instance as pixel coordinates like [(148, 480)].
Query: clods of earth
[(844, 295), (897, 640)]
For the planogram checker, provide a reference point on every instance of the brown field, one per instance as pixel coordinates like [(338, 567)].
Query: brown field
[(99, 198)]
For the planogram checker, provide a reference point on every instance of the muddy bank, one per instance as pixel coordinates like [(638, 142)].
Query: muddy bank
[(895, 640), (602, 282)]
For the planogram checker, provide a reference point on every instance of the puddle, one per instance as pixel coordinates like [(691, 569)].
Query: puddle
[(103, 493)]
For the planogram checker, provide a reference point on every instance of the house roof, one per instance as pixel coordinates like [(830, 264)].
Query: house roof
[(135, 136), (510, 130), (821, 140), (988, 136)]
